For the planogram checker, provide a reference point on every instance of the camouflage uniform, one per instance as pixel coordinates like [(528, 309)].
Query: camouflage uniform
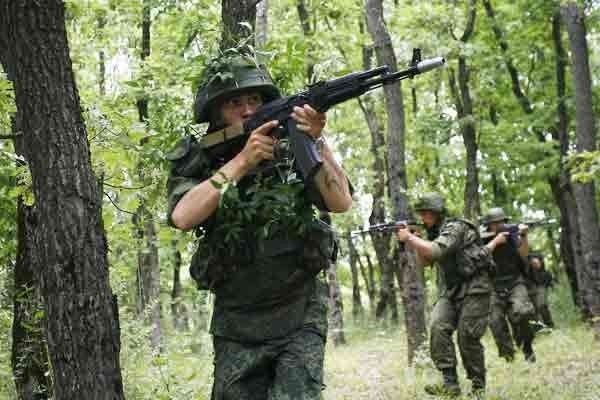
[(269, 322), (510, 299), (538, 282), (463, 303)]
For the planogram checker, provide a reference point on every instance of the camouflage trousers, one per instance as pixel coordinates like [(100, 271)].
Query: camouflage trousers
[(469, 317), (514, 305), (539, 297), (290, 368)]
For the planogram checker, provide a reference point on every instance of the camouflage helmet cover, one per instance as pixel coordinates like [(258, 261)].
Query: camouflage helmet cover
[(431, 202), (226, 76), (495, 214)]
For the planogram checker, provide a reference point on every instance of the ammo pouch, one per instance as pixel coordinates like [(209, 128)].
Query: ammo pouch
[(320, 249), (209, 270)]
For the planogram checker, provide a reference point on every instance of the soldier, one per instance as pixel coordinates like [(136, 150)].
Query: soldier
[(510, 298), (464, 292), (538, 283), (261, 246)]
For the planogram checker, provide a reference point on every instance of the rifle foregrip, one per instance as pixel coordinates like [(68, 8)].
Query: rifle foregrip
[(305, 151)]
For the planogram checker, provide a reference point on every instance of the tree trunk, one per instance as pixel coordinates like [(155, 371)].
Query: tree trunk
[(559, 183), (414, 302), (80, 309), (308, 34), (262, 24), (178, 308), (372, 288), (585, 193), (235, 14), (148, 270), (29, 356), (357, 307), (336, 307)]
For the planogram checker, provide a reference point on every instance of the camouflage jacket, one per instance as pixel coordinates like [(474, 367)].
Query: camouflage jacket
[(264, 288), (464, 263)]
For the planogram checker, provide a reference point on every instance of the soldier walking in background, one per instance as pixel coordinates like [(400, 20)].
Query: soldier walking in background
[(538, 282), (464, 292), (510, 298), (261, 246)]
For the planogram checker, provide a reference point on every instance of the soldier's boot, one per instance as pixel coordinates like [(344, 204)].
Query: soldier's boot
[(448, 388), (528, 352)]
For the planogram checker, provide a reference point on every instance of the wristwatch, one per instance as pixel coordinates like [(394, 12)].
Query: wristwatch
[(319, 143)]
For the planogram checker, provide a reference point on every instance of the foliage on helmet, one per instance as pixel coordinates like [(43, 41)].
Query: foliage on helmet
[(431, 202), (495, 214), (231, 72)]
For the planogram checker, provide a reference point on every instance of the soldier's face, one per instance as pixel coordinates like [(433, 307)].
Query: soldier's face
[(495, 226), (429, 218), (237, 109), (535, 263)]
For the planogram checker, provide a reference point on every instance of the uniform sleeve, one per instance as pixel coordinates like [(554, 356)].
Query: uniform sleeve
[(448, 241), (189, 167)]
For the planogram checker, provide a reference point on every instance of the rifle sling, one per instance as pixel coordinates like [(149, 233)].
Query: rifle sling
[(221, 136)]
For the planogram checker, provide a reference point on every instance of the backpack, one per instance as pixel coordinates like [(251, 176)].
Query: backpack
[(474, 257)]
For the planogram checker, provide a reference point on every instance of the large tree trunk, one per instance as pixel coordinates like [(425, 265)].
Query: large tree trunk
[(148, 269), (80, 309), (585, 193), (414, 299), (234, 14), (29, 356)]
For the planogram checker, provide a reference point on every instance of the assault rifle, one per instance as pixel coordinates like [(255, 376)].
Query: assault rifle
[(386, 227), (513, 230), (321, 96)]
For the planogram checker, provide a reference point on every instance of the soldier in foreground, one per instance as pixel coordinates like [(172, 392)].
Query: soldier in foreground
[(464, 292), (510, 298), (538, 282), (261, 246)]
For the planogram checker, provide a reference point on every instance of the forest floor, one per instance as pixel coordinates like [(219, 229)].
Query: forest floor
[(375, 368)]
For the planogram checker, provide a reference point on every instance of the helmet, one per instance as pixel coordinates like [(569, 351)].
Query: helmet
[(431, 202), (495, 214), (227, 76)]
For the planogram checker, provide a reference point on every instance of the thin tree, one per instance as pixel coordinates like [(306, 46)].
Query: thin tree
[(411, 277), (70, 244)]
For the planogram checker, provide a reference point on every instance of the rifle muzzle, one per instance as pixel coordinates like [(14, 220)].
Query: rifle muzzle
[(432, 63)]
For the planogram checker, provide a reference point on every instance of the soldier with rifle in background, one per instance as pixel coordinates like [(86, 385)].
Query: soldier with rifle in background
[(510, 298), (464, 292), (538, 282)]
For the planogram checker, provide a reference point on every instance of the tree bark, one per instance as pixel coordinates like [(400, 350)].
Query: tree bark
[(585, 193), (308, 31), (413, 294), (234, 14), (80, 309), (178, 308), (148, 269), (464, 107)]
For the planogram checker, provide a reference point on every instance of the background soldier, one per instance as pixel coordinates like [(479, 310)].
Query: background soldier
[(261, 246), (464, 292), (510, 298), (538, 283)]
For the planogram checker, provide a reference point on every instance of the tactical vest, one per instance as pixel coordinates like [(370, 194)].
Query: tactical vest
[(509, 267)]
